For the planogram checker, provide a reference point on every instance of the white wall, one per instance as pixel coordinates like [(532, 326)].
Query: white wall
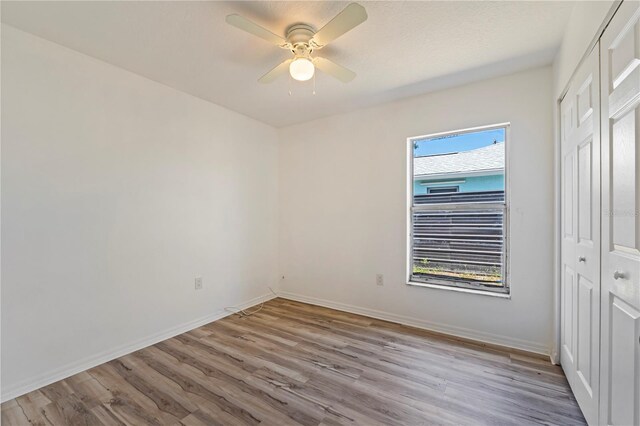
[(116, 192), (584, 22), (343, 216)]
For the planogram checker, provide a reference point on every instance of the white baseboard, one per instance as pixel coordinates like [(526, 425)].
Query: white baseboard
[(465, 333), (76, 367)]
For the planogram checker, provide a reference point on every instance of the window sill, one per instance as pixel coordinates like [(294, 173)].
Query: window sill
[(461, 290)]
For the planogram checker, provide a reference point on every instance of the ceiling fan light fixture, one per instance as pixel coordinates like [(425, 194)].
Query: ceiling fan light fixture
[(302, 39), (301, 69)]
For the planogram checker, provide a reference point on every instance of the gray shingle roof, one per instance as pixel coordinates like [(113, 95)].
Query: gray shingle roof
[(485, 159)]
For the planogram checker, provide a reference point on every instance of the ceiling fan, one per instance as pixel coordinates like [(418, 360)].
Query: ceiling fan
[(302, 41)]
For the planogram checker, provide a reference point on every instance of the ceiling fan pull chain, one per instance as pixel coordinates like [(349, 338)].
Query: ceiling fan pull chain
[(314, 83), (289, 84)]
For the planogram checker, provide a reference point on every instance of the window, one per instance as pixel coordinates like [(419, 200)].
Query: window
[(443, 190), (458, 233)]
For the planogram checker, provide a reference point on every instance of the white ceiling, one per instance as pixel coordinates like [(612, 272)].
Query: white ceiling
[(403, 49)]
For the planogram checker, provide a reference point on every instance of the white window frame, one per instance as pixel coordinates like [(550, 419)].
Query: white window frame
[(505, 290)]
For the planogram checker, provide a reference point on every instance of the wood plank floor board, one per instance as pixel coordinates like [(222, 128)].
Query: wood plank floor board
[(271, 407), (329, 404), (254, 357), (106, 417), (127, 403), (292, 363)]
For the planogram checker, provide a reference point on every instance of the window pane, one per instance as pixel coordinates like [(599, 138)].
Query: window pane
[(472, 162), (459, 245), (459, 209)]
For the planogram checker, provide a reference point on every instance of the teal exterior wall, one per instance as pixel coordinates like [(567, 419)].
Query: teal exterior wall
[(470, 184)]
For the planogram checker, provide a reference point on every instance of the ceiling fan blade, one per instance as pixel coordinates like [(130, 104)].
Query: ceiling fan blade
[(352, 16), (343, 74), (255, 29), (276, 72)]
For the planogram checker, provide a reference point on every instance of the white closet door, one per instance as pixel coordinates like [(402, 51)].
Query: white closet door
[(580, 283), (620, 368)]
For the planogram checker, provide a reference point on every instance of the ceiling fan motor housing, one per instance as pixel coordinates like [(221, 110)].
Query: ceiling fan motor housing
[(298, 35)]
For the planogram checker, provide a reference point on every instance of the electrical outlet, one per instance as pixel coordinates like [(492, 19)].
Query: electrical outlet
[(198, 283), (380, 279)]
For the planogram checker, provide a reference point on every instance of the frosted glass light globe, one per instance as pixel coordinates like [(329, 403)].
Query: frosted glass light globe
[(301, 69)]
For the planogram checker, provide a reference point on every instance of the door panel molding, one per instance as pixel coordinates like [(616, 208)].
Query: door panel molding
[(620, 268), (580, 230)]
